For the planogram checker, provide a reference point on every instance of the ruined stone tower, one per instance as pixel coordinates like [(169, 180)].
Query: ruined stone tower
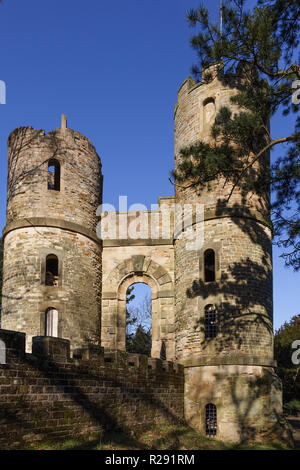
[(223, 291), (52, 257)]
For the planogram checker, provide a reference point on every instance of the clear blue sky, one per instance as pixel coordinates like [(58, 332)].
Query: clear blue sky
[(113, 67)]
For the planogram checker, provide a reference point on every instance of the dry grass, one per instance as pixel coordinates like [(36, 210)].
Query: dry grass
[(163, 437)]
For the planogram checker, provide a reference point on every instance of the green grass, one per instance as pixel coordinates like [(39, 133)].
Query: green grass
[(162, 437)]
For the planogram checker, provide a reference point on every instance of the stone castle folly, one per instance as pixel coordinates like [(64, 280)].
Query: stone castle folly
[(66, 290)]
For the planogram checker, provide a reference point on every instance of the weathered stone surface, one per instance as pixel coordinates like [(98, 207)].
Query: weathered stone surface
[(248, 401)]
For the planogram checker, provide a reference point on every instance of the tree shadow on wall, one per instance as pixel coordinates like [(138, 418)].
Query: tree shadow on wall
[(25, 173), (243, 309), (256, 412), (244, 326), (101, 403), (244, 287), (243, 216)]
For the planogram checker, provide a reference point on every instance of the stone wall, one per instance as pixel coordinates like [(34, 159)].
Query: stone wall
[(192, 124), (248, 401), (47, 395)]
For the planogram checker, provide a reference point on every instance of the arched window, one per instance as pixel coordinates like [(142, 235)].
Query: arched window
[(51, 322), (2, 352), (210, 321), (51, 270), (54, 175), (210, 419), (209, 266)]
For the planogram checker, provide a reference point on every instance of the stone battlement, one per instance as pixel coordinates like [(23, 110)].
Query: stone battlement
[(58, 350), (49, 395)]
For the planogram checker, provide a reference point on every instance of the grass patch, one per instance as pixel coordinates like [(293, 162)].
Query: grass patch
[(160, 437)]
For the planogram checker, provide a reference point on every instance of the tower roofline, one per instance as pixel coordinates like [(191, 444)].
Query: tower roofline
[(63, 131)]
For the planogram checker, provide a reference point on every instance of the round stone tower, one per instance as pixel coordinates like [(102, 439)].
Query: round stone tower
[(52, 256), (223, 289)]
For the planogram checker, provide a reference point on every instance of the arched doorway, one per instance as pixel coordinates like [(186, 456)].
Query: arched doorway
[(139, 269), (139, 319), (122, 305)]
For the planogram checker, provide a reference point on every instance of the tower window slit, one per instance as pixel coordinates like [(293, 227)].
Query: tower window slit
[(209, 266), (54, 175), (210, 419), (210, 321), (51, 270)]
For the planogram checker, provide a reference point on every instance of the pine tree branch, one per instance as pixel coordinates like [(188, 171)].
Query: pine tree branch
[(257, 157)]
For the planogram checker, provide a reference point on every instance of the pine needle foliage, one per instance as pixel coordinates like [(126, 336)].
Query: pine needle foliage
[(258, 51)]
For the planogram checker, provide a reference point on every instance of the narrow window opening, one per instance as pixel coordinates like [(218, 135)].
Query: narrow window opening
[(209, 111), (210, 419), (51, 270), (51, 322), (54, 175), (210, 321), (209, 266)]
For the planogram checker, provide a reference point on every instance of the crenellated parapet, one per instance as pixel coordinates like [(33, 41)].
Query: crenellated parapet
[(50, 395), (58, 350)]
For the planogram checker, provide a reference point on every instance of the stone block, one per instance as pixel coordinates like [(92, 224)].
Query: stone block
[(12, 345), (48, 347), (89, 353)]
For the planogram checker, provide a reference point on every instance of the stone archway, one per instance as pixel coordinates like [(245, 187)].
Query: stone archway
[(139, 268)]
